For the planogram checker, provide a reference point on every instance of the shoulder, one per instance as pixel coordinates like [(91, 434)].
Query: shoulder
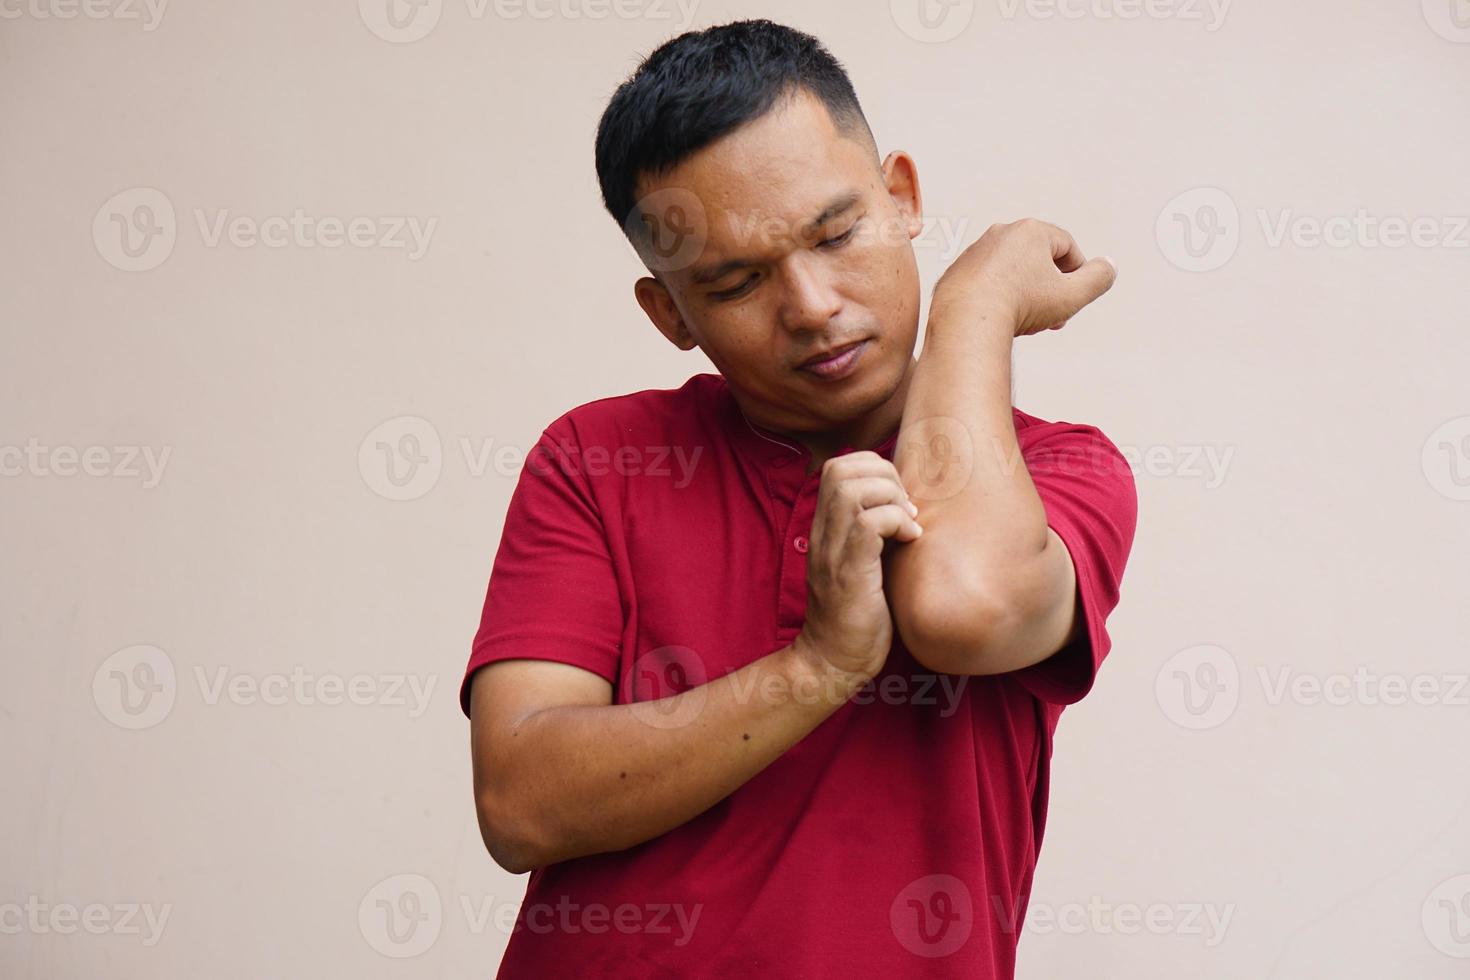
[(1059, 434), (667, 414)]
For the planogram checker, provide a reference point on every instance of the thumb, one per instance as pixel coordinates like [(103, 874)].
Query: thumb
[(1093, 278)]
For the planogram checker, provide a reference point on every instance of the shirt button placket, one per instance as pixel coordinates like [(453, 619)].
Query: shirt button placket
[(792, 602)]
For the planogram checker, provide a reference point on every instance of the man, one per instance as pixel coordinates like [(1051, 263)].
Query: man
[(770, 663)]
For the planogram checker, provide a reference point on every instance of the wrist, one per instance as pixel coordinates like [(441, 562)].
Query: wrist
[(987, 322), (809, 670)]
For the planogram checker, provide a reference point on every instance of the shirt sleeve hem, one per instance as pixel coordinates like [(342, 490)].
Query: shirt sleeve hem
[(484, 657)]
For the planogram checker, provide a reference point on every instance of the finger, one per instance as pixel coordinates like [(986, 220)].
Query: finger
[(877, 523), (863, 462), (1064, 251), (849, 498), (871, 491), (1093, 278), (835, 470)]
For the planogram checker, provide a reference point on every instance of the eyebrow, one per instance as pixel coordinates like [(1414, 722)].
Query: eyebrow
[(837, 207)]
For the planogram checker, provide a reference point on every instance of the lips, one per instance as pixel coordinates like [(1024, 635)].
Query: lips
[(837, 362), (829, 354)]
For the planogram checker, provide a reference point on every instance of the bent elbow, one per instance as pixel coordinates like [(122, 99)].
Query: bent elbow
[(510, 839), (948, 629)]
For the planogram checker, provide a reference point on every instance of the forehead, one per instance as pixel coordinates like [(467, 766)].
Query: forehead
[(785, 166)]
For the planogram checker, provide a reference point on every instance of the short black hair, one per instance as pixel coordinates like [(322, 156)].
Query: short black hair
[(702, 85)]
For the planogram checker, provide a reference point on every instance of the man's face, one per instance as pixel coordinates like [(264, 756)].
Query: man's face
[(807, 250)]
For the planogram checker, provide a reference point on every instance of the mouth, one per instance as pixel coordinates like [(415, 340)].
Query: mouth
[(836, 363)]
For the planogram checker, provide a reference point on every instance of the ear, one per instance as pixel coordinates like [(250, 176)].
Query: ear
[(656, 301), (901, 175)]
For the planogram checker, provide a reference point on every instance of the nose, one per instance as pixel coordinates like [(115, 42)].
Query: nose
[(811, 298)]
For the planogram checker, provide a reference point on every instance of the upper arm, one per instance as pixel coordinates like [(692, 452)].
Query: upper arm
[(1088, 491), (1047, 623), (1051, 623), (554, 589), (506, 693), (551, 627)]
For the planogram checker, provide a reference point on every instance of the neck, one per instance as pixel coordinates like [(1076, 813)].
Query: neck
[(867, 432)]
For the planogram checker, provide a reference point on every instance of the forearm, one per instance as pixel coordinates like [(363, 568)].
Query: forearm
[(957, 452), (590, 779)]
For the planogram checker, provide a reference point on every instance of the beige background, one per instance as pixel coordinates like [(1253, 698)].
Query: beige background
[(155, 760)]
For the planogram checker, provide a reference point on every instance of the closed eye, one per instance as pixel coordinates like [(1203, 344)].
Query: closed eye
[(736, 291), (837, 241)]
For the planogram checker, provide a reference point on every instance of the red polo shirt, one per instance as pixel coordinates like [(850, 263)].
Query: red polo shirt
[(658, 539)]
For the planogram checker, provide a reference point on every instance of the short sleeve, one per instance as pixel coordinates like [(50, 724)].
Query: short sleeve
[(1091, 502), (553, 592)]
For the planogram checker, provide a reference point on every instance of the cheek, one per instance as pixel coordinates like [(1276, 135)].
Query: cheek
[(887, 278), (737, 338)]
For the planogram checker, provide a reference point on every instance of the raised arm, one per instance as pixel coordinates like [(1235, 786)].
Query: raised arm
[(990, 588)]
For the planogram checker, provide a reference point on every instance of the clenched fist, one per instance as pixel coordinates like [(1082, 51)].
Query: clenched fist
[(1029, 272), (860, 504)]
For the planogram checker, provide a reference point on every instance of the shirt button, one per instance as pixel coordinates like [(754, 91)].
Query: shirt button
[(801, 544)]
